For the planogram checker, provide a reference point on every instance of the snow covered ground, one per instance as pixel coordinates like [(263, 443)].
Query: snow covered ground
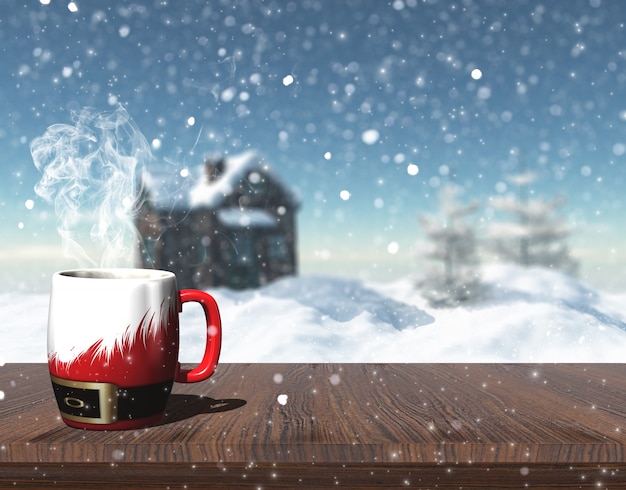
[(525, 315)]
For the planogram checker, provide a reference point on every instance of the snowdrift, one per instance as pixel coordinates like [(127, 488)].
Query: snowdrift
[(523, 315)]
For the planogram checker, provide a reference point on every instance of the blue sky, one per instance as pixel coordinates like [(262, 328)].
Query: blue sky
[(339, 96)]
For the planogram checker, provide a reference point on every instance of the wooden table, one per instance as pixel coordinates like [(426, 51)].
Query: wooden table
[(341, 425)]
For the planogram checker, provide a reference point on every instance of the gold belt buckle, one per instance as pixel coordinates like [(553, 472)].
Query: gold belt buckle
[(88, 402)]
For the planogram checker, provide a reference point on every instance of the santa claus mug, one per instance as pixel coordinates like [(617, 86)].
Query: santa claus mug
[(113, 342)]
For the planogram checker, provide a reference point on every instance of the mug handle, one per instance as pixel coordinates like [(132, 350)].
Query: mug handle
[(213, 340)]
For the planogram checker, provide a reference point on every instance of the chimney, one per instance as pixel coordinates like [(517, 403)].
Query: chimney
[(213, 168)]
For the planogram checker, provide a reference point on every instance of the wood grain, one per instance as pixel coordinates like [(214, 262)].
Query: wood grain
[(354, 425), (290, 476)]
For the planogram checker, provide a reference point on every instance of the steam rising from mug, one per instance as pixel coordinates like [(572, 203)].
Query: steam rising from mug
[(90, 174)]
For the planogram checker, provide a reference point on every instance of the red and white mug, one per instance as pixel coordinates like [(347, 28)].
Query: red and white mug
[(113, 344)]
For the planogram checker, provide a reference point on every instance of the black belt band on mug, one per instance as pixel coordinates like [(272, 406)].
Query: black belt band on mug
[(105, 403)]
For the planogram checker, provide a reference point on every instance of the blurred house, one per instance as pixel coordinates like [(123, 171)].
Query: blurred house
[(230, 222)]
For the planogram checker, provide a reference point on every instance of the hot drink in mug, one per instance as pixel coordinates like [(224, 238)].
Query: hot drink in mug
[(113, 343)]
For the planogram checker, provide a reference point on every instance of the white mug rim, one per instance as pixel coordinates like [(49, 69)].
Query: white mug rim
[(116, 274)]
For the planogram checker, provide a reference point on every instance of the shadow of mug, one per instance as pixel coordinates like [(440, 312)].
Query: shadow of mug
[(182, 407)]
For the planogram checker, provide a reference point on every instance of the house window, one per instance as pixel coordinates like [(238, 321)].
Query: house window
[(239, 261), (277, 247), (244, 248)]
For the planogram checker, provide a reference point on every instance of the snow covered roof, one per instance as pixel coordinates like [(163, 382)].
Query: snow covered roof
[(187, 190)]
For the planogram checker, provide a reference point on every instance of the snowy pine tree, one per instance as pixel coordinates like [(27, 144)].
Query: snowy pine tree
[(452, 243), (538, 236)]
